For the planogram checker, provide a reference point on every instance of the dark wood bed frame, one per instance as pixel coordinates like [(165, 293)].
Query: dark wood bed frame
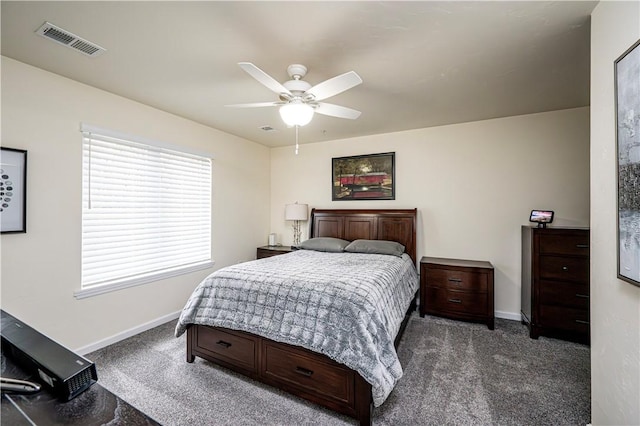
[(296, 370)]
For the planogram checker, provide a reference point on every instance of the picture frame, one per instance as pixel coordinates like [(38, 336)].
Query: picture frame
[(363, 177), (627, 106), (13, 191)]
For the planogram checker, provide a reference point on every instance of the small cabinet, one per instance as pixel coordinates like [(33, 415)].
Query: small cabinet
[(458, 289), (268, 251), (555, 282)]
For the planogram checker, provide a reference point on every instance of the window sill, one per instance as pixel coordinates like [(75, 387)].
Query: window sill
[(136, 281)]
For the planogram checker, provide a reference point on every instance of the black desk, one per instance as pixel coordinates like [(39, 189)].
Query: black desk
[(95, 406)]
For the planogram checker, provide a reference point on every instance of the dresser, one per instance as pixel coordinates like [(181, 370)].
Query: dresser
[(555, 282), (458, 289), (268, 251)]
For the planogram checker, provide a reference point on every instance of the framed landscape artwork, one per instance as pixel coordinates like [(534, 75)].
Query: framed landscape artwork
[(627, 93), (364, 177), (13, 190)]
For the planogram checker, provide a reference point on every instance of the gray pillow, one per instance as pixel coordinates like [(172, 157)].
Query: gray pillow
[(329, 244), (375, 247)]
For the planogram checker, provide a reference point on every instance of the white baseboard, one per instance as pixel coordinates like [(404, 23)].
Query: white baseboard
[(127, 333), (166, 318), (508, 315)]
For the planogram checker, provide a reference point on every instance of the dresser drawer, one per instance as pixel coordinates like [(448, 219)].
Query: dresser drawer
[(564, 293), (440, 299), (565, 243), (312, 372), (560, 317), (564, 268), (233, 347), (456, 279)]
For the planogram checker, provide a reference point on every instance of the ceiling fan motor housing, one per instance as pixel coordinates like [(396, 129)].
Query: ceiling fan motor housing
[(297, 87)]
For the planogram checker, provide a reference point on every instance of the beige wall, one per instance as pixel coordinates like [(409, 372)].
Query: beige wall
[(41, 112), (615, 304), (474, 185)]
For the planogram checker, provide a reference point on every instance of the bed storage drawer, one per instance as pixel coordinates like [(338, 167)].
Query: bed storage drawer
[(232, 347), (303, 370)]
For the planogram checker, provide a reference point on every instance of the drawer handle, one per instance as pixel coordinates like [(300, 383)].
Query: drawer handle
[(224, 344), (455, 280), (455, 300), (582, 245), (565, 268), (582, 322), (586, 296), (304, 371)]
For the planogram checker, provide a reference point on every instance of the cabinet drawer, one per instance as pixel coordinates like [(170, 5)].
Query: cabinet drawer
[(262, 253), (574, 269), (558, 243), (315, 373), (563, 318), (440, 300), (456, 279), (564, 293), (230, 346)]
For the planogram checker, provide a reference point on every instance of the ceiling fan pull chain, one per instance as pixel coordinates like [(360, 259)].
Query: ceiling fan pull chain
[(297, 139)]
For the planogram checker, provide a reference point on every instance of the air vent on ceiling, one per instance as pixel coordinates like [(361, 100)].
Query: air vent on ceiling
[(267, 128), (70, 40)]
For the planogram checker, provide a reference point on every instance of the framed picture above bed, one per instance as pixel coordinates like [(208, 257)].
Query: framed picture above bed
[(627, 97), (363, 177), (13, 191)]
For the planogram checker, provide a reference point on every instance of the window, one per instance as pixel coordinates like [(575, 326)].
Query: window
[(146, 212)]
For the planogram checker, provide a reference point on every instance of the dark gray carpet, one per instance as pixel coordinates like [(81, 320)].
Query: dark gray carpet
[(456, 373)]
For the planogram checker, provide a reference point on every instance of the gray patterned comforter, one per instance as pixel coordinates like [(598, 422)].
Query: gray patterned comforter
[(348, 306)]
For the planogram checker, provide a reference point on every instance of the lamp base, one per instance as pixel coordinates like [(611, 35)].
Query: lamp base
[(296, 232)]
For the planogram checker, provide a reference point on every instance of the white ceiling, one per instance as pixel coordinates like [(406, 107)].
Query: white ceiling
[(423, 63)]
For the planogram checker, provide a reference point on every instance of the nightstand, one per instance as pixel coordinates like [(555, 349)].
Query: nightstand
[(268, 251), (457, 289)]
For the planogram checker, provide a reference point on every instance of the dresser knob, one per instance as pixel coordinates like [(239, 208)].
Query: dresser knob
[(565, 268)]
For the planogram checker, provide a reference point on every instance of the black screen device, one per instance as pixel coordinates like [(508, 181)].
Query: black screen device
[(541, 217), (65, 373)]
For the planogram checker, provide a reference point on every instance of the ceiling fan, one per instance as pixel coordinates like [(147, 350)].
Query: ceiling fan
[(298, 99)]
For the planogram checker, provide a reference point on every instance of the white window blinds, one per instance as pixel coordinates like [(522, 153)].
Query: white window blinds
[(146, 213)]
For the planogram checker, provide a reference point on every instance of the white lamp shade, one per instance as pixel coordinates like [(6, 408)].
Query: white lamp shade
[(296, 113), (296, 211)]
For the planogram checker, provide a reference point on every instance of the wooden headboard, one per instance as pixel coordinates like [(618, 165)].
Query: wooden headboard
[(389, 224)]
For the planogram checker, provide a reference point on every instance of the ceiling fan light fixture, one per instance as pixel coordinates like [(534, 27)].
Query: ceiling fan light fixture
[(296, 114)]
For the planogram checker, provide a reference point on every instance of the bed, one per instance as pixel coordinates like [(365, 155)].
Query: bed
[(230, 318)]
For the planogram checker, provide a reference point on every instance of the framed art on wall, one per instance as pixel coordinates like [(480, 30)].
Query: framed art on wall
[(363, 177), (13, 190), (627, 93)]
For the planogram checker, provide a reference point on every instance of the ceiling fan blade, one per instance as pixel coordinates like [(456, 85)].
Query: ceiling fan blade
[(256, 105), (337, 111), (334, 85), (264, 78)]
